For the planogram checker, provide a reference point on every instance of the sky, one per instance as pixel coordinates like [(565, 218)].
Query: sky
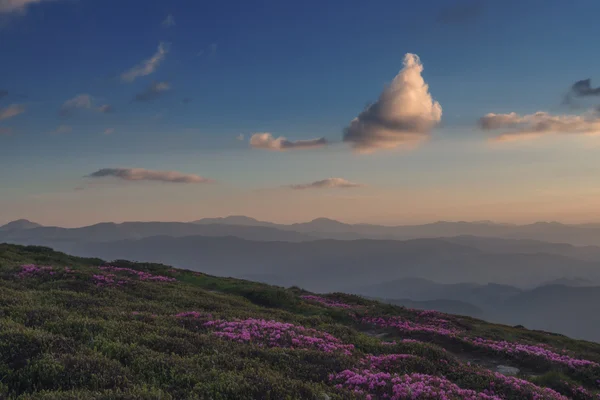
[(383, 112)]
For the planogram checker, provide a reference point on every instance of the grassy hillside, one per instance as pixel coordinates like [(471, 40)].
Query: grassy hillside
[(75, 328)]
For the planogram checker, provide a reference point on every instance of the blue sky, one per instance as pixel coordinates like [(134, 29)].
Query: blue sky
[(302, 70)]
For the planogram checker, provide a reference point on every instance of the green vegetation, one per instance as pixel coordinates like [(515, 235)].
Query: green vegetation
[(77, 331)]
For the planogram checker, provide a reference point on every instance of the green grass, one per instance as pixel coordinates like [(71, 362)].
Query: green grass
[(63, 337)]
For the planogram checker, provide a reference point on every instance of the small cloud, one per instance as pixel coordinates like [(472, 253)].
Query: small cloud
[(148, 66), (82, 101), (584, 88), (404, 114), (240, 137), (169, 21), (266, 141), (212, 48), (328, 183), (16, 6), (461, 12), (106, 109), (109, 131), (155, 90), (200, 53), (539, 124), (62, 129), (186, 100), (3, 93), (11, 111), (79, 188), (5, 131), (141, 174)]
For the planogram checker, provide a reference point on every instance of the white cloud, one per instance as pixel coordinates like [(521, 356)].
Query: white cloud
[(82, 101), (141, 174), (148, 66), (539, 124), (266, 141), (11, 111), (328, 183), (155, 90), (169, 21), (17, 6), (404, 114)]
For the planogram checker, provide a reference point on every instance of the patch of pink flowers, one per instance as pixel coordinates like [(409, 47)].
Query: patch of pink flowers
[(191, 314), (326, 302), (377, 384), (531, 350), (278, 334), (29, 270), (142, 276), (108, 280), (435, 325)]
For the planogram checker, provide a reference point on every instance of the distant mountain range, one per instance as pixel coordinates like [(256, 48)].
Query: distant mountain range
[(454, 267), (570, 310), (536, 236)]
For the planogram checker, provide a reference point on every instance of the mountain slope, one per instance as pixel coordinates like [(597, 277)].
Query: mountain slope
[(18, 225), (326, 265), (81, 329)]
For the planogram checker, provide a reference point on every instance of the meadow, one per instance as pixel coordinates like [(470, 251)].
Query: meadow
[(81, 328)]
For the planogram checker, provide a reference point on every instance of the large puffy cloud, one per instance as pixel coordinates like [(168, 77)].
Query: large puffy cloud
[(148, 66), (11, 111), (141, 174), (328, 183), (17, 6), (404, 114), (539, 124), (153, 91), (266, 141)]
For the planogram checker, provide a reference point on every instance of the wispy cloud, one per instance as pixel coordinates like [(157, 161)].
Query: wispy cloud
[(329, 183), (404, 114), (518, 127), (106, 108), (82, 101), (5, 131), (62, 129), (141, 174), (3, 93), (240, 137), (582, 88), (169, 21), (17, 6), (461, 12), (148, 66), (266, 141), (155, 90), (109, 131), (11, 111)]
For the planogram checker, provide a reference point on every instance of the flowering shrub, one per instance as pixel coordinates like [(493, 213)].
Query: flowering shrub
[(531, 350), (142, 276), (107, 280), (376, 384), (29, 270), (326, 302), (434, 325), (278, 334)]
